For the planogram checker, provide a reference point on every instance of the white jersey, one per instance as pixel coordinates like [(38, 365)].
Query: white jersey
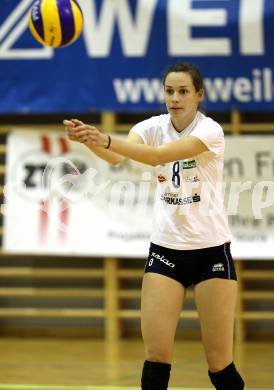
[(188, 210)]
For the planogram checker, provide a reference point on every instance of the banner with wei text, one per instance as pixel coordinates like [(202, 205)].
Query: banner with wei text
[(118, 62)]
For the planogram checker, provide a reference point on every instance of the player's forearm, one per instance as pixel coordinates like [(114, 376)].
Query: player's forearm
[(107, 155), (142, 153), (176, 150)]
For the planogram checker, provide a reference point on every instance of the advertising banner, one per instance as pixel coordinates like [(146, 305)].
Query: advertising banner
[(118, 62), (62, 199)]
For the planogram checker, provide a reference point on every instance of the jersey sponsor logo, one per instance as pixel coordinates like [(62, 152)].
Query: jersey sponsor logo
[(162, 259), (218, 267), (192, 179), (173, 199), (161, 179), (189, 164)]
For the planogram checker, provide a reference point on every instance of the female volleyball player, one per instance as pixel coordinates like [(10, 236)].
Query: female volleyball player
[(190, 243)]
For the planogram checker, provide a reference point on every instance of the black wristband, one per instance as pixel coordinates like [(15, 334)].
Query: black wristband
[(109, 142)]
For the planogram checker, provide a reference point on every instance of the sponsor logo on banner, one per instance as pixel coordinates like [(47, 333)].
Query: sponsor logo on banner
[(40, 179)]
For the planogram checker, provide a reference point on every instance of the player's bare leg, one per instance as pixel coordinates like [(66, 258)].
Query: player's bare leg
[(161, 304), (216, 300)]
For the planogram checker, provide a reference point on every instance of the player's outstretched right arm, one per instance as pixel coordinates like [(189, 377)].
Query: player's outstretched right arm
[(72, 125)]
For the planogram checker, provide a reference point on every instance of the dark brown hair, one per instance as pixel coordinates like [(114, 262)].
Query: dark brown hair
[(186, 67)]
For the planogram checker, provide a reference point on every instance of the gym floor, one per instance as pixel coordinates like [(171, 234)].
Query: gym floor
[(85, 364)]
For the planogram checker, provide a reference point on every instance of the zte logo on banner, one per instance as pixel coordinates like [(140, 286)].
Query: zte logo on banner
[(134, 28)]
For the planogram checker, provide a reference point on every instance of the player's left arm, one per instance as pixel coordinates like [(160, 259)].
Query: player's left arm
[(181, 149)]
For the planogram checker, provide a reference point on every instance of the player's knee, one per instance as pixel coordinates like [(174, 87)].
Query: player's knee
[(158, 355), (217, 360), (216, 365), (227, 379)]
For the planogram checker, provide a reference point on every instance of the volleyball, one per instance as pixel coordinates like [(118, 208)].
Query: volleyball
[(56, 23)]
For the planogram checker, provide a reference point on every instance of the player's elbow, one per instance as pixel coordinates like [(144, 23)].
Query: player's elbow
[(117, 161), (156, 158), (154, 163)]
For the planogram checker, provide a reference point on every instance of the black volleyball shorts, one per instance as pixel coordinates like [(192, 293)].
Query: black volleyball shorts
[(190, 267)]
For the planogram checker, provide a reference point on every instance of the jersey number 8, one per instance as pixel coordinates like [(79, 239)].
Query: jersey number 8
[(176, 181)]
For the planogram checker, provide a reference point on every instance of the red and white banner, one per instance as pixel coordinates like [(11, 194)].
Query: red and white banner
[(62, 199)]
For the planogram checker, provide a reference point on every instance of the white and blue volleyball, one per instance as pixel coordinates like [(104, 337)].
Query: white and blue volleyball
[(56, 23)]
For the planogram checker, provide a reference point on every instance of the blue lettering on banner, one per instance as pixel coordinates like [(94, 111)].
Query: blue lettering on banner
[(124, 49)]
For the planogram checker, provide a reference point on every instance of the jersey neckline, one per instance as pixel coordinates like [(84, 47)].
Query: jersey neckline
[(189, 128)]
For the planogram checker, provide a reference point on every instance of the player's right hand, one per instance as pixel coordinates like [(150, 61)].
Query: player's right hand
[(70, 125)]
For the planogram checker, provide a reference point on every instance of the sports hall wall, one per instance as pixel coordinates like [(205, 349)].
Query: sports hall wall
[(73, 249)]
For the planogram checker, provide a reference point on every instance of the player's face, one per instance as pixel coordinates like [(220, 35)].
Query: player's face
[(181, 97)]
